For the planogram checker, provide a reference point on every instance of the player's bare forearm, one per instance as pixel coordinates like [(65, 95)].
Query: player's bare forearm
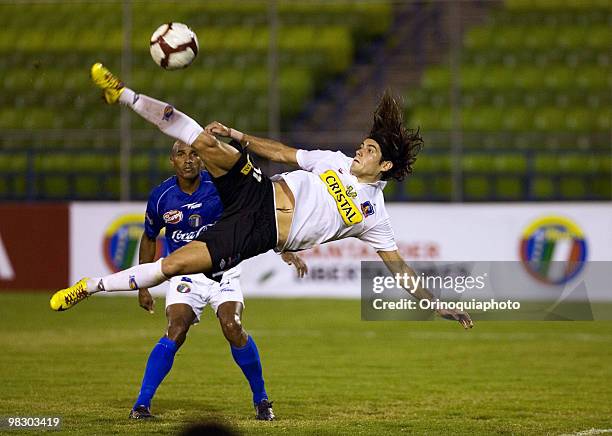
[(396, 265), (264, 147), (146, 252), (270, 149)]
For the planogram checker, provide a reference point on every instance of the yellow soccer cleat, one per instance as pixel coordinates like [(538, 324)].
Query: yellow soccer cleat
[(66, 298), (108, 82)]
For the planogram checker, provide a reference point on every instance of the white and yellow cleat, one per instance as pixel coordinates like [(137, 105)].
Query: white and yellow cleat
[(108, 82), (66, 298)]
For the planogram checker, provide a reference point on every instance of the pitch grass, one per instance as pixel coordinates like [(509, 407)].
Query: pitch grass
[(328, 372)]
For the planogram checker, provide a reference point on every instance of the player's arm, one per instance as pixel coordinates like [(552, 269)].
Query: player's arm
[(266, 148), (291, 258), (146, 254), (396, 265)]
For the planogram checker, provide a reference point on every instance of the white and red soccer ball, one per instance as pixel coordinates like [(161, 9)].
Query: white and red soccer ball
[(174, 46)]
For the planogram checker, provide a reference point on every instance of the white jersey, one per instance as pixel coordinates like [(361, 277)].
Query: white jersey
[(331, 204)]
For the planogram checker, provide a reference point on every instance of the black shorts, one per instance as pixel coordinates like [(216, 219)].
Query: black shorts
[(248, 224)]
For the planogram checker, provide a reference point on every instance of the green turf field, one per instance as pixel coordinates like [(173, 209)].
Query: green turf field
[(327, 371)]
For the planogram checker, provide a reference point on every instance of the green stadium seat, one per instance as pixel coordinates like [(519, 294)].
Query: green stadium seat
[(549, 119), (508, 37), (13, 162), (573, 188), (600, 188), (476, 163), (576, 164), (416, 188), (436, 78), (441, 187), (510, 164), (87, 187), (542, 188), (517, 119), (54, 187), (580, 120), (559, 78), (476, 187), (429, 163), (509, 188), (478, 37)]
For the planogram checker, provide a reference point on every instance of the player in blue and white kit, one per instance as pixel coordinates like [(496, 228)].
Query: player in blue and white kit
[(186, 205)]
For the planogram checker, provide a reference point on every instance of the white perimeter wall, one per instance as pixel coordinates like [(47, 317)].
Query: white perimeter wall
[(487, 232)]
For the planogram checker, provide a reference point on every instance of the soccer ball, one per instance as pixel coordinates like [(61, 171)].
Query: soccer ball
[(174, 46)]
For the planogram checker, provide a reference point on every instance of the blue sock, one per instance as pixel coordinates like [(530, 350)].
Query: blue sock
[(247, 358), (159, 364)]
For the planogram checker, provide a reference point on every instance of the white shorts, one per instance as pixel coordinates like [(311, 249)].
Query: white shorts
[(197, 290)]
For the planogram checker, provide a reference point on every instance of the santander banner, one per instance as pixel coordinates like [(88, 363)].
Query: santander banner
[(34, 252)]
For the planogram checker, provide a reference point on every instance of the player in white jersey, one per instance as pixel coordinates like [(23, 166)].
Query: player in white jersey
[(333, 197)]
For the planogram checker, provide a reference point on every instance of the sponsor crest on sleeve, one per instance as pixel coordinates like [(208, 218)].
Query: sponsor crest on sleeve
[(132, 283), (168, 112)]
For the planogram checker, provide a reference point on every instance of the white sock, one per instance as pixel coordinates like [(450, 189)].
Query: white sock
[(172, 122), (140, 276)]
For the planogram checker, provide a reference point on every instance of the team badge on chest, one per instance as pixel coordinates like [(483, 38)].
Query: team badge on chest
[(195, 220), (367, 208)]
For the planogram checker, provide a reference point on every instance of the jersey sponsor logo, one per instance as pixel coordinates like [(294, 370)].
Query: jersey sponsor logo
[(350, 191), (350, 214), (183, 288), (173, 216), (195, 220), (186, 279), (553, 249), (180, 236), (248, 167), (367, 208), (192, 206), (168, 112), (132, 283), (121, 239)]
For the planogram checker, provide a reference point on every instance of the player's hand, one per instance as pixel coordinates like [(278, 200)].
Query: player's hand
[(462, 317), (146, 300), (293, 259), (217, 129)]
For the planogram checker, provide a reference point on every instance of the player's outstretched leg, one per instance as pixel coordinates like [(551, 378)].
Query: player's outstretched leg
[(189, 259), (245, 354), (180, 317), (218, 157)]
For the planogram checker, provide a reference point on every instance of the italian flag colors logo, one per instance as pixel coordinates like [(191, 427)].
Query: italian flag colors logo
[(122, 239), (553, 249)]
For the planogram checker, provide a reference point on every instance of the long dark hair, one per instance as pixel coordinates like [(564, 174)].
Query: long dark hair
[(397, 143)]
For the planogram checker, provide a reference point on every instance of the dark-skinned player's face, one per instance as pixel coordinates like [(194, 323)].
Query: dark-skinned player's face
[(368, 160), (185, 161)]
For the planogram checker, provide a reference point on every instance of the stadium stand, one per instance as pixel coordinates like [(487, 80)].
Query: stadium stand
[(535, 92), (45, 86), (535, 107)]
